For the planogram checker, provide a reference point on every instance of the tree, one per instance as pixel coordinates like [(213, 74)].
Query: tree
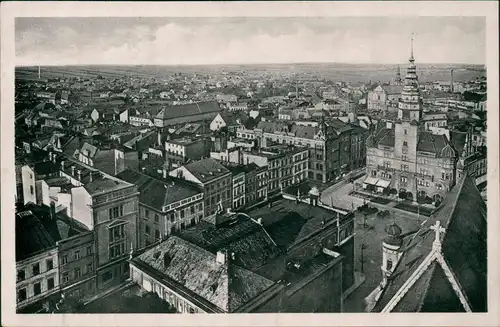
[(393, 191)]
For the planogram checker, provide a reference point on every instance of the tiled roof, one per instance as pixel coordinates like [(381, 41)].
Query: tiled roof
[(190, 109), (155, 193), (464, 248), (227, 286), (252, 246), (432, 143), (88, 150), (271, 126), (306, 132), (384, 136), (207, 169)]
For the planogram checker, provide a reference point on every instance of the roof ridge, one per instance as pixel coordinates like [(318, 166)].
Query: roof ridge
[(426, 288)]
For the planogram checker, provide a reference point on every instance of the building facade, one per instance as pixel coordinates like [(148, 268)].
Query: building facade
[(405, 157)]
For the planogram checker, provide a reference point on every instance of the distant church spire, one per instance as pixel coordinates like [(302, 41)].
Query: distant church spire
[(398, 76), (411, 55)]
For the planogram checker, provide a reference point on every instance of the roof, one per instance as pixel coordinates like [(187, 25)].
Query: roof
[(88, 150), (196, 270), (37, 231), (432, 143), (207, 169), (392, 89), (306, 132), (102, 183), (252, 246), (190, 109), (155, 193), (464, 249), (271, 126)]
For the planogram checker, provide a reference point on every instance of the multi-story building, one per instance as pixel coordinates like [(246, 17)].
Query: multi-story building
[(358, 146), (406, 157), (215, 180), (329, 144), (165, 206), (286, 165), (75, 245), (37, 264), (109, 207), (179, 151), (236, 263)]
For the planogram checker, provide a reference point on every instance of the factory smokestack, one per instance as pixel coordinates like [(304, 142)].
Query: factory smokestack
[(451, 86)]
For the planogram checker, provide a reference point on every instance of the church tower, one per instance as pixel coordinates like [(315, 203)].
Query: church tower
[(410, 105), (398, 80)]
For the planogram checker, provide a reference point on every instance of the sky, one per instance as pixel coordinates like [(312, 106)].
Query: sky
[(248, 40)]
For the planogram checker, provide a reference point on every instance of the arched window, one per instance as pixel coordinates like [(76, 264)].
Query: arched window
[(389, 264)]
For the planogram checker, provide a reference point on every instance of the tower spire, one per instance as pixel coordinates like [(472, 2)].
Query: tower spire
[(411, 55)]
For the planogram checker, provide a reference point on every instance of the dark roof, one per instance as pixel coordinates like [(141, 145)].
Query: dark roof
[(37, 231), (207, 169), (271, 126), (306, 132), (384, 136), (227, 286), (155, 193), (464, 248), (252, 246), (190, 109), (432, 143)]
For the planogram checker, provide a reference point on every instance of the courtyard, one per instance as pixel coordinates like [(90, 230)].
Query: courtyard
[(368, 252)]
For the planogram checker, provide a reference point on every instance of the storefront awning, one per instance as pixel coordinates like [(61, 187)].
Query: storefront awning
[(371, 181), (382, 183)]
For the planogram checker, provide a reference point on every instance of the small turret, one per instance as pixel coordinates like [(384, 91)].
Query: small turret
[(391, 253)]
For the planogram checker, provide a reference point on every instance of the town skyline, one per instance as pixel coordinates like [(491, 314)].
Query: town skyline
[(248, 41)]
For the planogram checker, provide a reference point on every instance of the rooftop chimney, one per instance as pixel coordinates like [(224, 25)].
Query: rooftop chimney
[(221, 257), (79, 173), (90, 176), (52, 210), (73, 170), (62, 165), (53, 157)]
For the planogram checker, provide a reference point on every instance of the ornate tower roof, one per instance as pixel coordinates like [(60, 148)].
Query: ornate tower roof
[(393, 234), (410, 106)]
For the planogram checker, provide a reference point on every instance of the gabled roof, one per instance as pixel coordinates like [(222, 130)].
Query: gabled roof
[(463, 252), (191, 109), (155, 193), (227, 286)]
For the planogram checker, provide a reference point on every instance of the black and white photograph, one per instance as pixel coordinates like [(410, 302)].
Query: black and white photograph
[(251, 164)]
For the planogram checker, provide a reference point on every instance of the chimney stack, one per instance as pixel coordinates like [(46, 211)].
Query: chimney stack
[(52, 210), (90, 176), (451, 86), (221, 257), (53, 157), (62, 165), (73, 170), (79, 173)]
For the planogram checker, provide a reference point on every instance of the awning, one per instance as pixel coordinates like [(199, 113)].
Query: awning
[(382, 183), (371, 181)]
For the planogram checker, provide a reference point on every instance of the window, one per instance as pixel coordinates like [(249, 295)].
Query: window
[(116, 212), (36, 269), (404, 158), (405, 143), (107, 276), (406, 132), (172, 217), (191, 209), (117, 250), (50, 283), (90, 267), (77, 254), (157, 234), (21, 274), (64, 259), (389, 264), (32, 191), (37, 288), (89, 250), (148, 230), (116, 233), (403, 179), (228, 193), (427, 183), (157, 218), (147, 213), (21, 295), (374, 173), (50, 264), (78, 272), (65, 277), (404, 167), (183, 212)]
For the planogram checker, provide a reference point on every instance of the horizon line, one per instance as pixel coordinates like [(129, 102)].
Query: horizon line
[(250, 64)]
